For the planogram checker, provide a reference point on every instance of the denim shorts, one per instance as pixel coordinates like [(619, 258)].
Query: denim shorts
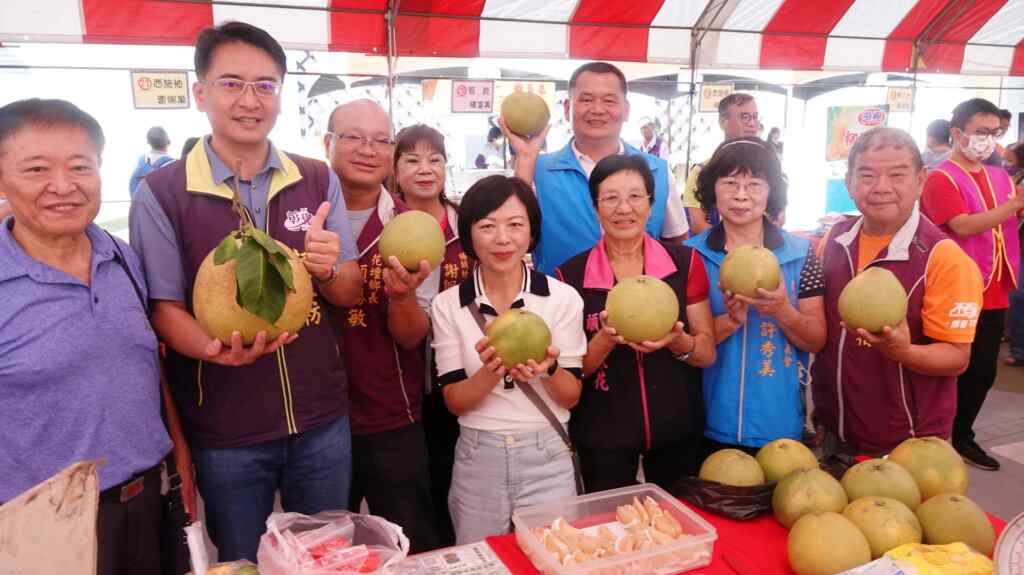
[(497, 473)]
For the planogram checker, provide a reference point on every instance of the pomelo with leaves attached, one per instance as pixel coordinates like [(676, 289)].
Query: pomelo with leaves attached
[(251, 283)]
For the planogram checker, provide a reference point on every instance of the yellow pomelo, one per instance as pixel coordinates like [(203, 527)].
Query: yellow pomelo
[(781, 456), (412, 237), (747, 268), (216, 309), (826, 543), (949, 517), (525, 113), (882, 478), (872, 300), (642, 308), (519, 335), (732, 467), (935, 466), (805, 491), (885, 522)]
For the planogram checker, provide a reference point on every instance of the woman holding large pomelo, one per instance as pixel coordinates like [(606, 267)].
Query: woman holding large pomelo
[(766, 298), (649, 327), (506, 439)]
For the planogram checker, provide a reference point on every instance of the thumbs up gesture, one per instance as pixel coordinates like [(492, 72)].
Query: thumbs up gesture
[(322, 246)]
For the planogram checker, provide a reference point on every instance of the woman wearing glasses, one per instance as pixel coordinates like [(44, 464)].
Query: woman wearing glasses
[(753, 393), (420, 162), (638, 399)]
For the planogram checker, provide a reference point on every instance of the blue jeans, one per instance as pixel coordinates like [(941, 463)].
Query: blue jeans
[(313, 471), (495, 474)]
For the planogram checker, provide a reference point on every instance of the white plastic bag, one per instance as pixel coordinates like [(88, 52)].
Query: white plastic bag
[(329, 543)]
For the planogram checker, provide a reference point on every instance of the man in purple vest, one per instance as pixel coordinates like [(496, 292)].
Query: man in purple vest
[(976, 205), (382, 334), (872, 391), (273, 416)]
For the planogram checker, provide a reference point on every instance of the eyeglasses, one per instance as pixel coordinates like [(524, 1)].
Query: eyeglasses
[(353, 141), (634, 200), (745, 117), (236, 87), (731, 186)]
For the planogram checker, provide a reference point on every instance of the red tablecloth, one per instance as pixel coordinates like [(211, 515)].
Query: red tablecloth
[(756, 547)]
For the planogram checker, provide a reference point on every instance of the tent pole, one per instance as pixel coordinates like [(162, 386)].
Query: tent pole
[(391, 18)]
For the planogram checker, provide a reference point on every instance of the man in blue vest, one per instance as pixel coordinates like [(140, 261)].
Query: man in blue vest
[(597, 107)]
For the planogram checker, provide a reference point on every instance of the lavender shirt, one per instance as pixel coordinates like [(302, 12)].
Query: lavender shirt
[(79, 376)]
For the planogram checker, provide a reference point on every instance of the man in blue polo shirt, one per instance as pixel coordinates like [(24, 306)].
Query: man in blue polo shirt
[(597, 107), (79, 373)]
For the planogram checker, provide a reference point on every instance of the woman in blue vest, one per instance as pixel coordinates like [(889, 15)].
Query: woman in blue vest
[(754, 392), (638, 399)]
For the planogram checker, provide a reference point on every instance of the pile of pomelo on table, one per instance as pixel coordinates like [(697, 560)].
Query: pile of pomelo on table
[(915, 495)]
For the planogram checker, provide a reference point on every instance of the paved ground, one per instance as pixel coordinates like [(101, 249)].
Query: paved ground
[(1000, 430)]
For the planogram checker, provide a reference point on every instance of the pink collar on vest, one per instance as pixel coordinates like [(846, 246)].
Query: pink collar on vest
[(599, 274), (899, 246)]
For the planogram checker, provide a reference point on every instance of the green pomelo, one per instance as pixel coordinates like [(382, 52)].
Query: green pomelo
[(882, 478), (518, 336), (950, 517), (216, 308), (805, 491), (642, 308), (885, 522), (935, 466), (872, 300), (525, 113), (412, 237), (747, 268), (781, 456), (732, 467), (826, 543)]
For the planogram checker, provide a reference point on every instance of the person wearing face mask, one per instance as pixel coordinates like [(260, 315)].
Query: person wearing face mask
[(975, 204)]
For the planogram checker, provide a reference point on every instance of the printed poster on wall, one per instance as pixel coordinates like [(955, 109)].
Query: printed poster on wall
[(846, 123)]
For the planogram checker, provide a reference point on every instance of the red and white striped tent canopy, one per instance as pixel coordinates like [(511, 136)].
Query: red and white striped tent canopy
[(947, 36)]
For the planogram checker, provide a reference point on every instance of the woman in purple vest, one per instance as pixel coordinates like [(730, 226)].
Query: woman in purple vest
[(420, 162), (510, 452), (638, 399)]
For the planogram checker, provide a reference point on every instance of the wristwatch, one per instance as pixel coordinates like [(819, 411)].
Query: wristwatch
[(330, 279), (686, 356)]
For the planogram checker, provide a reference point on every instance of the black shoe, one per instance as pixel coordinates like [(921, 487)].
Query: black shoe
[(976, 456)]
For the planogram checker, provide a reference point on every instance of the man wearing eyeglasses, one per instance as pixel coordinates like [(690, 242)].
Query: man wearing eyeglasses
[(274, 415), (382, 334), (738, 118)]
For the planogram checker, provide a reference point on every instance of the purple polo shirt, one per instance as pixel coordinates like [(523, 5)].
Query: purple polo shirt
[(79, 377)]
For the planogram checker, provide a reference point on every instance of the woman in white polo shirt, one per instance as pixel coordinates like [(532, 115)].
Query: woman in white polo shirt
[(508, 454)]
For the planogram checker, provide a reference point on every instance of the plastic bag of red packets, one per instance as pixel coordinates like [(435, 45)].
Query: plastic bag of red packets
[(329, 543)]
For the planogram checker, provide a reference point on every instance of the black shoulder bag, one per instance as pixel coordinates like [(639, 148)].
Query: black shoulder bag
[(174, 554), (536, 400)]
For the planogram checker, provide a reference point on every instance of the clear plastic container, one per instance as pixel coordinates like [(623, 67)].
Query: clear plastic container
[(599, 508)]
